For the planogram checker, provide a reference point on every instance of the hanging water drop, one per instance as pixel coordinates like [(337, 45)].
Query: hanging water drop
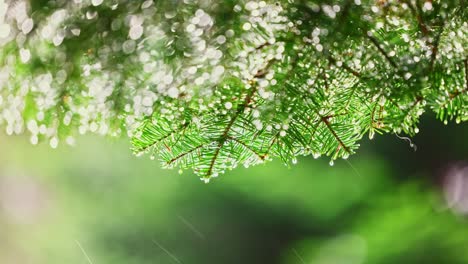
[(205, 179)]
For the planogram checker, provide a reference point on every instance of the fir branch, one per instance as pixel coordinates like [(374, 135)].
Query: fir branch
[(224, 136), (376, 43), (344, 66), (416, 13), (435, 47), (157, 140), (206, 88), (327, 123), (170, 162), (261, 156)]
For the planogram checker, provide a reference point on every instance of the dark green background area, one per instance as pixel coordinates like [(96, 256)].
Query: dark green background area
[(383, 205)]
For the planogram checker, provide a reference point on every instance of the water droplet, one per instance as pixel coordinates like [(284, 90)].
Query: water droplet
[(34, 139), (91, 14), (53, 142), (27, 26), (427, 6), (230, 33), (25, 55), (173, 92), (96, 2), (221, 39), (205, 179), (76, 31), (128, 46), (135, 32), (146, 4)]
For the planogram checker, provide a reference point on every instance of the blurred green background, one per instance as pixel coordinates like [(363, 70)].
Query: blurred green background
[(96, 203)]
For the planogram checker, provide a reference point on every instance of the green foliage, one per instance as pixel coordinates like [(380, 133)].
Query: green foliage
[(210, 85)]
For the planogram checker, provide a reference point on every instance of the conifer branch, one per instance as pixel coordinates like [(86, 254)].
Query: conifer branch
[(159, 139), (260, 156), (327, 123), (422, 26), (225, 135), (190, 151), (435, 47), (344, 66), (376, 43), (206, 91)]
